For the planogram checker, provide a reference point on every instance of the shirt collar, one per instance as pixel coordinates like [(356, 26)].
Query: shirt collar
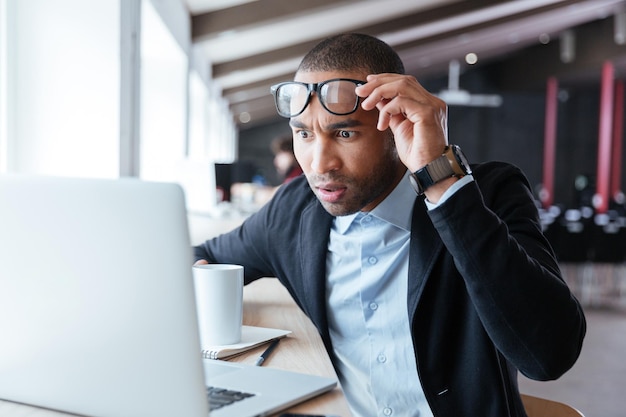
[(396, 208)]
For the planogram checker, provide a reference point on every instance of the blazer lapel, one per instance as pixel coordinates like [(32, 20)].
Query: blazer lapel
[(424, 247), (315, 226)]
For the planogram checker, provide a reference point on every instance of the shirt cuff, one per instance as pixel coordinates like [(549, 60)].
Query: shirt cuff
[(450, 191)]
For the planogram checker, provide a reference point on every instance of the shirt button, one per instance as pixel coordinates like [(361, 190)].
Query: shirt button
[(372, 260), (387, 411), (382, 358), (373, 306), (367, 219)]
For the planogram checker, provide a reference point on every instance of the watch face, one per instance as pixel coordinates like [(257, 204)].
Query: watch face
[(451, 164), (461, 159)]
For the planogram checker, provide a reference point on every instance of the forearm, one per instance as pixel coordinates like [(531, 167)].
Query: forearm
[(513, 279), (240, 246)]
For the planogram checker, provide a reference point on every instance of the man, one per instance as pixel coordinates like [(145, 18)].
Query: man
[(427, 303)]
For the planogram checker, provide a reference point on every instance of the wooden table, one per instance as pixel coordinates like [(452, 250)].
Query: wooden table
[(266, 304)]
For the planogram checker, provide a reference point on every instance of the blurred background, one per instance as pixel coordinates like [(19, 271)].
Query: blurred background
[(178, 91), (162, 89)]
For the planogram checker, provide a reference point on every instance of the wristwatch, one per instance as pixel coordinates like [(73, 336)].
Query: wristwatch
[(452, 163)]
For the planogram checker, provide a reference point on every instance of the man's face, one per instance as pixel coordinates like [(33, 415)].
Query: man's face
[(349, 164)]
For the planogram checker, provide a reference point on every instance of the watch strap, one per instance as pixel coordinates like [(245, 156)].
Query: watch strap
[(433, 172), (440, 169)]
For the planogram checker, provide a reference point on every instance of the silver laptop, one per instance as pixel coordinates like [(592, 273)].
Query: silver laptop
[(97, 311)]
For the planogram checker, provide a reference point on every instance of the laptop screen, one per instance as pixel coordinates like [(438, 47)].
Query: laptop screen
[(96, 298)]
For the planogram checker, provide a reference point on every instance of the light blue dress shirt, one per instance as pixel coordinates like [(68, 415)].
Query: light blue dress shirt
[(366, 285)]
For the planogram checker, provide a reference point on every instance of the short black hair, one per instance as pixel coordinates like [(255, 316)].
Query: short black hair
[(282, 143), (352, 51)]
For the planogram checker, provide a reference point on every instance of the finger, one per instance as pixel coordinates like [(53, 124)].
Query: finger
[(392, 112), (383, 120), (375, 95), (201, 262), (379, 87)]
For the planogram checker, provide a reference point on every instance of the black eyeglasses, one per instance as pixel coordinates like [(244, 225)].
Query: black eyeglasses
[(336, 95)]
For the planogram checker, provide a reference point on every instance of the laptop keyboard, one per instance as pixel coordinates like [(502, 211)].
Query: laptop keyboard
[(220, 397)]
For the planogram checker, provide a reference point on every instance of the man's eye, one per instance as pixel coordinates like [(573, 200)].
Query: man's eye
[(345, 134), (303, 134)]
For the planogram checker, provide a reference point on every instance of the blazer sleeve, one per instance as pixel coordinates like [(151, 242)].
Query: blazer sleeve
[(267, 242), (492, 230)]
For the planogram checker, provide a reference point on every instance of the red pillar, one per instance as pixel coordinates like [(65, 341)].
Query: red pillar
[(618, 131), (601, 199), (549, 142)]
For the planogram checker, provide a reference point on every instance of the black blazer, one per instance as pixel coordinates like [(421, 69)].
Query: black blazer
[(485, 294)]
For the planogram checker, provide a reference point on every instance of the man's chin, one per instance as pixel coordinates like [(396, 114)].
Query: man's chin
[(338, 209)]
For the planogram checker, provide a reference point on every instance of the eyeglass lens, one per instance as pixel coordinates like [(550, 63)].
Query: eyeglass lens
[(337, 96)]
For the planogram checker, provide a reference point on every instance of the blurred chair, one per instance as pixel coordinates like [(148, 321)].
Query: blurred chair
[(541, 407), (574, 237), (608, 238), (571, 235)]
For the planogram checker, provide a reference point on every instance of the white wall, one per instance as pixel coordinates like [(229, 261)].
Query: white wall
[(163, 98), (63, 87), (101, 88)]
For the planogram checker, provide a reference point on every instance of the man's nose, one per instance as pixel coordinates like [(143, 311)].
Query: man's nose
[(325, 157)]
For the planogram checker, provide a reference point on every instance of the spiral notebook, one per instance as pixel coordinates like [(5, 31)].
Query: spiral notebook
[(251, 337)]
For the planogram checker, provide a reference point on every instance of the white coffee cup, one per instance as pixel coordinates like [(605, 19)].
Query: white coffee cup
[(219, 301)]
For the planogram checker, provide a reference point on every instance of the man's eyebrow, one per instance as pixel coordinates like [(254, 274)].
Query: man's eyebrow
[(297, 124), (344, 124)]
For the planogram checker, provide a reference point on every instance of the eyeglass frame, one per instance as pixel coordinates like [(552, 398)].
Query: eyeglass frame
[(315, 87)]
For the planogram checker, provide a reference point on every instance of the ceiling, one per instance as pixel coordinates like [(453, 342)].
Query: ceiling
[(253, 44)]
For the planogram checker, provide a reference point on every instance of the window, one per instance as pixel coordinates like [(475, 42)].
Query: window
[(163, 98), (60, 95)]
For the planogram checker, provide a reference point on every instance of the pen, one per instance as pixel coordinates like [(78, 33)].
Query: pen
[(267, 352)]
